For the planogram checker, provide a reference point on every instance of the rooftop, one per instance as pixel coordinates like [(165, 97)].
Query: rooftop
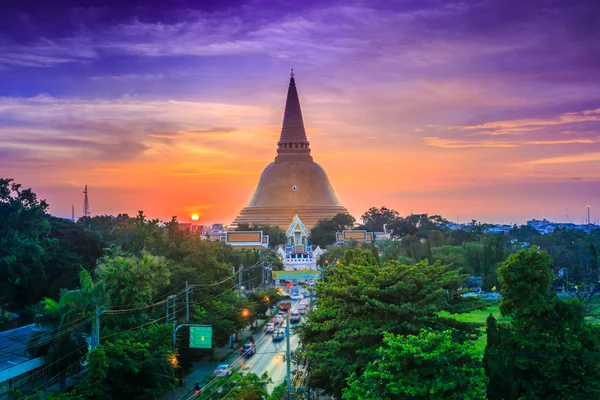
[(14, 345)]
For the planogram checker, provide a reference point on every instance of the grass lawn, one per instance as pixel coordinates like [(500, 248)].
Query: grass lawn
[(479, 316)]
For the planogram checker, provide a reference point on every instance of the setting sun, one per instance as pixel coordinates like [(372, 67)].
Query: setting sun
[(195, 217)]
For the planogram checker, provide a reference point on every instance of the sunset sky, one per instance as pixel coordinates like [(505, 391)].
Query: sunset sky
[(485, 110)]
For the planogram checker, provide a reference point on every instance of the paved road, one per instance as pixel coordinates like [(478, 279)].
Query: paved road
[(268, 358)]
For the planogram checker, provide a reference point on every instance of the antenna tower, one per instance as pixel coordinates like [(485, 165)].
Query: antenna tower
[(588, 215), (86, 204), (73, 212)]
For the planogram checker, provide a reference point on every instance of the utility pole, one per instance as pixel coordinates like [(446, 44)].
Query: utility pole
[(263, 276), (288, 363), (187, 302), (95, 342), (249, 280), (240, 279)]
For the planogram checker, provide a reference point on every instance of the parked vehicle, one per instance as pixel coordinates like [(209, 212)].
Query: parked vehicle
[(278, 335), (248, 349), (295, 317), (269, 327), (223, 370)]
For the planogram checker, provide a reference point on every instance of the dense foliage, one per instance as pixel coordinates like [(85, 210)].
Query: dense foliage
[(548, 350), (360, 303), (424, 366)]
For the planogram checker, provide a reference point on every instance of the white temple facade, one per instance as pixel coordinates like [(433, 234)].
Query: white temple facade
[(298, 254)]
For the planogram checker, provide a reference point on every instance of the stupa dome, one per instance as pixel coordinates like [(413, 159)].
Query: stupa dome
[(293, 183)]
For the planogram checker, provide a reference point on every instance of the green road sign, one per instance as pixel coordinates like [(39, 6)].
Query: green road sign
[(295, 275), (200, 337)]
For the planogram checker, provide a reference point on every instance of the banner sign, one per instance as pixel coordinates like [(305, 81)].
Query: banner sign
[(295, 275)]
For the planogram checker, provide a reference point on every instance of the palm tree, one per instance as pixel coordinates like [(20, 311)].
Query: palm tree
[(66, 325)]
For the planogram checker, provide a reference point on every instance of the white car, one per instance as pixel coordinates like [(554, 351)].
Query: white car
[(296, 296), (223, 370), (269, 327)]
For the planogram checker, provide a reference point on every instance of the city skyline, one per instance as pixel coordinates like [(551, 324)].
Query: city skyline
[(485, 111)]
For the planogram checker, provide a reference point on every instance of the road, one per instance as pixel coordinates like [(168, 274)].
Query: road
[(268, 357)]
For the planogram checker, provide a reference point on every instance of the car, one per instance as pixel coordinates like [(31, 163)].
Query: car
[(223, 370), (282, 313), (311, 283), (278, 320), (248, 349), (278, 335), (305, 302), (269, 327), (295, 317), (295, 296), (302, 310)]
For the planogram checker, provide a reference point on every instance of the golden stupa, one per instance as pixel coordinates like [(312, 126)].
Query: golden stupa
[(293, 183)]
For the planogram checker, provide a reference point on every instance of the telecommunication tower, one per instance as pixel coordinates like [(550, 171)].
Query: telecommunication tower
[(73, 212), (86, 204), (588, 215)]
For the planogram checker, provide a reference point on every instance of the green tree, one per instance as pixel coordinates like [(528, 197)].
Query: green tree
[(358, 304), (239, 386), (374, 218), (141, 363), (67, 322), (323, 233), (25, 246), (426, 366), (131, 280), (548, 350)]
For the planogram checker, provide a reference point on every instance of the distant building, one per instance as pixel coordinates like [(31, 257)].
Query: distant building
[(192, 228), (359, 236), (544, 226), (298, 254), (246, 240), (385, 235)]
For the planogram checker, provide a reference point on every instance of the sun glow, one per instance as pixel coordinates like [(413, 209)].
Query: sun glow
[(195, 217)]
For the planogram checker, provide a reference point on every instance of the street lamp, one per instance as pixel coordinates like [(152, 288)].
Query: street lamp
[(245, 313)]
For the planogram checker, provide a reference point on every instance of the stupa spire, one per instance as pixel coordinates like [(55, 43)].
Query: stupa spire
[(293, 139)]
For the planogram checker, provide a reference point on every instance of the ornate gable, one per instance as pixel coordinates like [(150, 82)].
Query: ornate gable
[(297, 226)]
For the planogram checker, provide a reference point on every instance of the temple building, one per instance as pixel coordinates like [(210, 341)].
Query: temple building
[(359, 236), (246, 240), (293, 184), (298, 254)]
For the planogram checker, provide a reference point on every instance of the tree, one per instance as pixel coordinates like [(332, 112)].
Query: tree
[(141, 363), (131, 280), (426, 366), (25, 246), (323, 233), (374, 218), (359, 303), (63, 340), (239, 386), (548, 350)]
